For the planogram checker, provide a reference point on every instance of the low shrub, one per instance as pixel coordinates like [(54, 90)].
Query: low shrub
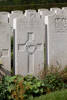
[(11, 88), (33, 86), (21, 88), (63, 74), (53, 82)]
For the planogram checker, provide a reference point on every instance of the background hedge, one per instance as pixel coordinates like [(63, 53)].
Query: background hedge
[(31, 6)]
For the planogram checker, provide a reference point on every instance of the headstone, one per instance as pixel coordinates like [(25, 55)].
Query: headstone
[(29, 12), (55, 10), (5, 55), (4, 17), (57, 40), (13, 15), (64, 9), (29, 44), (43, 11), (16, 11)]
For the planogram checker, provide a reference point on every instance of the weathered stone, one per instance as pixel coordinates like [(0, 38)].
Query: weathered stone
[(5, 55), (29, 12), (4, 17), (56, 10), (57, 39), (29, 44), (14, 14)]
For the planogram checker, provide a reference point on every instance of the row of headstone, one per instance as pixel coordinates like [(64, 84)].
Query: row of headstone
[(31, 31)]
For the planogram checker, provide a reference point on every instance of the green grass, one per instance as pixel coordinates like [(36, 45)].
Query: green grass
[(58, 95)]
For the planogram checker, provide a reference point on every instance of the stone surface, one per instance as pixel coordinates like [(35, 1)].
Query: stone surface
[(16, 11), (13, 15), (43, 11), (55, 10), (29, 44), (57, 40), (4, 17), (29, 12), (5, 55)]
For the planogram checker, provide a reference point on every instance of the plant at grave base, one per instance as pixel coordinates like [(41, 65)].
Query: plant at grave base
[(11, 88), (54, 69), (42, 73), (53, 82), (17, 94), (33, 86), (63, 74), (48, 70)]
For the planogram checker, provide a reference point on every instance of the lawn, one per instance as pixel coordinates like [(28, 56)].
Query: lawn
[(58, 95)]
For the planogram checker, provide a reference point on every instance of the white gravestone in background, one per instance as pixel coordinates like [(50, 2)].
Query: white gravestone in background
[(43, 12), (29, 11), (4, 17), (57, 40), (13, 15), (16, 11), (56, 10), (29, 44), (5, 55)]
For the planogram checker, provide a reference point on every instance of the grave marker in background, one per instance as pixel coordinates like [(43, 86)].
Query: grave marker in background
[(4, 17), (5, 52), (13, 15), (57, 40)]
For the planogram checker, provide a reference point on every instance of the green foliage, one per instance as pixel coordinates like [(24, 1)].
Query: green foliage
[(33, 86), (63, 74), (14, 2), (58, 95), (21, 88), (10, 88), (53, 82), (11, 7)]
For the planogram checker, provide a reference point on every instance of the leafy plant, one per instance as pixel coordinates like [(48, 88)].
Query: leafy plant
[(11, 88), (53, 82), (33, 86)]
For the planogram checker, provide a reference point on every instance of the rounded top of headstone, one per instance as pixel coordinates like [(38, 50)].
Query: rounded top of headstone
[(16, 11), (4, 17), (29, 11), (55, 10), (4, 12), (64, 8), (42, 10)]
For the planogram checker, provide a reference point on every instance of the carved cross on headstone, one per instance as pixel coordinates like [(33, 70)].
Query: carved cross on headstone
[(30, 47)]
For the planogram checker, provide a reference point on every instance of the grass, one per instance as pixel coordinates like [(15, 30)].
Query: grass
[(58, 95)]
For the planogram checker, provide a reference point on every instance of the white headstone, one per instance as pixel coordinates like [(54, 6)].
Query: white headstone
[(29, 45), (55, 10), (16, 11), (5, 55), (57, 40), (14, 14), (29, 12), (43, 11), (4, 17)]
